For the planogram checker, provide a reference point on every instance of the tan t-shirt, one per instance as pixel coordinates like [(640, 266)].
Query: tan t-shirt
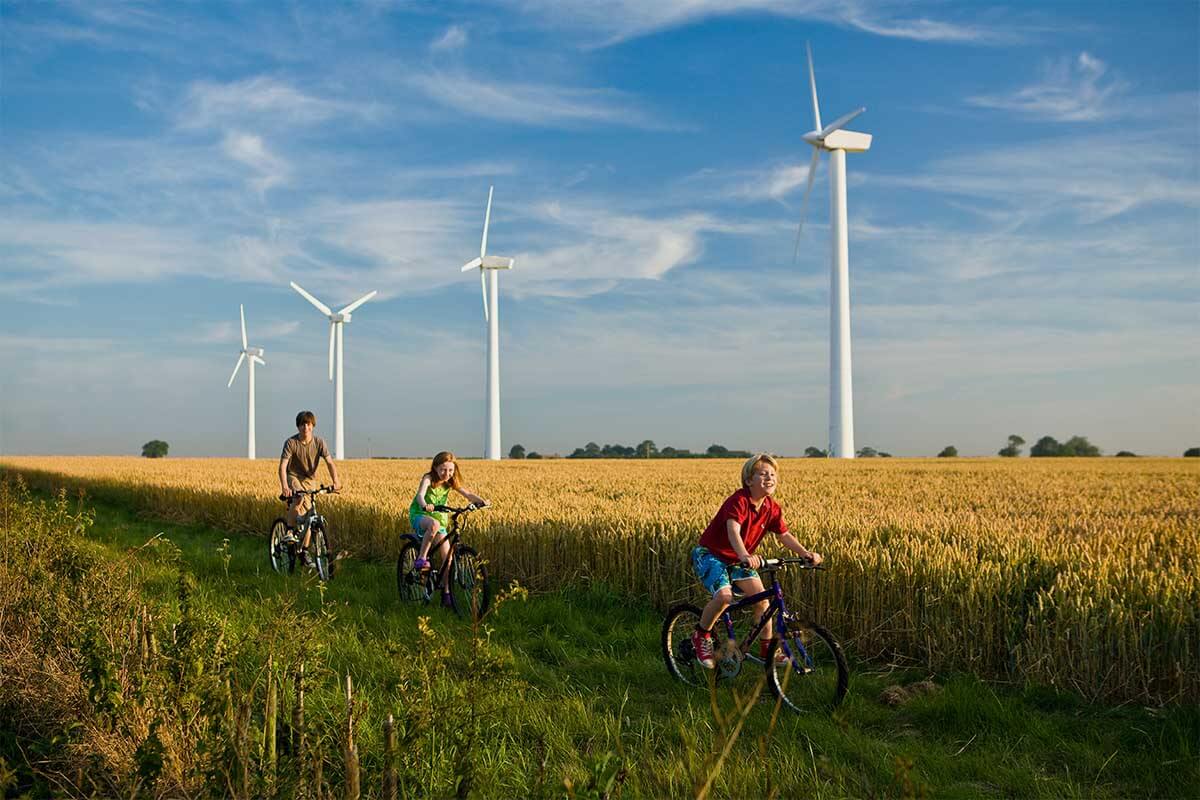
[(303, 459)]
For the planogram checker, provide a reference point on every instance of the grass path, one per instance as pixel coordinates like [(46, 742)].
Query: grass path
[(588, 701)]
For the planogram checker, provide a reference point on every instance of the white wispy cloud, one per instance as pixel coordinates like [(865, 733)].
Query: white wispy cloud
[(535, 103), (1069, 90), (453, 38), (263, 100), (249, 149), (615, 21)]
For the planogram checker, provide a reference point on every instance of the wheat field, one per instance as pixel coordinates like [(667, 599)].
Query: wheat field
[(1081, 573)]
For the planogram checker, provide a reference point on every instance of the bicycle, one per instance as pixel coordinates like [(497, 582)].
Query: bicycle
[(813, 675), (284, 553), (468, 576)]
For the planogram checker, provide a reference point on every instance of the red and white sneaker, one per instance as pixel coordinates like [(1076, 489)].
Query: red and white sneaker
[(764, 651), (702, 644)]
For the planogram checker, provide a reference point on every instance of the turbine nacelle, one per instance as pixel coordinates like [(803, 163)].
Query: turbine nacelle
[(850, 141)]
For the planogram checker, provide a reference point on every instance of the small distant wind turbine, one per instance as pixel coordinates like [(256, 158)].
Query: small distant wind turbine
[(336, 320), (255, 354), (489, 283), (837, 142)]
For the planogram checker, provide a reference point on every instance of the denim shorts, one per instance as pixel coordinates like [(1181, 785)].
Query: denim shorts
[(715, 574)]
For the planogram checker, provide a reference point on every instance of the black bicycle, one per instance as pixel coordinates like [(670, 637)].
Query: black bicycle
[(812, 674), (469, 587), (286, 550)]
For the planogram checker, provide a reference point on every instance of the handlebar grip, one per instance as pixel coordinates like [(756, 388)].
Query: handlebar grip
[(443, 509)]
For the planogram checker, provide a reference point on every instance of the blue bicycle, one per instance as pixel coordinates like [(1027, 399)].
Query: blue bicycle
[(812, 674)]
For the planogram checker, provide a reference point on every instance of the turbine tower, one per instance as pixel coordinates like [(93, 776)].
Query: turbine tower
[(837, 142), (255, 354), (489, 283), (336, 320)]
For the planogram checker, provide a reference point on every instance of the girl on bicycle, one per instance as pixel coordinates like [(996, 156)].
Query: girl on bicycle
[(431, 525), (726, 550)]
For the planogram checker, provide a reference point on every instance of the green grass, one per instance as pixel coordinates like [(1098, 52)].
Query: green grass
[(578, 695)]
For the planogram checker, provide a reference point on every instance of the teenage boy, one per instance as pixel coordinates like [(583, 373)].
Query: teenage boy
[(298, 464)]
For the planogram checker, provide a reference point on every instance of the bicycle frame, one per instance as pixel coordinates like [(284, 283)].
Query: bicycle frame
[(777, 607)]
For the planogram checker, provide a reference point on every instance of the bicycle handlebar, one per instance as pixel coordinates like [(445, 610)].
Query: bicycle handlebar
[(311, 492), (457, 511), (779, 563)]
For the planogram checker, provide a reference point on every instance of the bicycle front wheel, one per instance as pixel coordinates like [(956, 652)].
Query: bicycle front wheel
[(812, 677), (412, 585), (470, 592), (318, 551), (677, 650), (282, 555)]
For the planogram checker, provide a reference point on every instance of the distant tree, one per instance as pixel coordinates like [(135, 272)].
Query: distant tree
[(1045, 447), (517, 451), (155, 448), (1126, 454), (717, 450), (814, 452), (949, 451), (1079, 446), (1013, 449), (592, 450), (884, 454), (647, 449), (534, 454), (868, 452), (1192, 452)]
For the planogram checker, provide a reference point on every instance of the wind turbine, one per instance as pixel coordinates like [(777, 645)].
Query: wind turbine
[(254, 354), (336, 320), (837, 142), (489, 284)]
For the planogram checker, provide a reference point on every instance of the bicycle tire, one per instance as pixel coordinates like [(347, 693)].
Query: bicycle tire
[(282, 555), (815, 677), (470, 590), (318, 552), (677, 651), (411, 585)]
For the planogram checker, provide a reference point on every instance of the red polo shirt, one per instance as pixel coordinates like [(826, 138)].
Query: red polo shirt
[(739, 507)]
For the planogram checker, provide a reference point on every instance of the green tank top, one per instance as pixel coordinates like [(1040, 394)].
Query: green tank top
[(434, 496)]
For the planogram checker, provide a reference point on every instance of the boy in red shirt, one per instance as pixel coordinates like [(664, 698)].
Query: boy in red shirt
[(726, 551)]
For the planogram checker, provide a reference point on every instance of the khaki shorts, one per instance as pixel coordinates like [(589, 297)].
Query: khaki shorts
[(298, 505)]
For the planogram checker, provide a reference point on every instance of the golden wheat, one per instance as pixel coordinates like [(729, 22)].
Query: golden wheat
[(1076, 572)]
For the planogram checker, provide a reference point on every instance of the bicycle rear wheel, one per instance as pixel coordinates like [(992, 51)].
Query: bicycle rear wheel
[(282, 555), (677, 650), (469, 587), (412, 585), (814, 676), (318, 553)]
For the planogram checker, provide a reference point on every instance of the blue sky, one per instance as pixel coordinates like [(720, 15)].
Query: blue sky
[(1024, 232)]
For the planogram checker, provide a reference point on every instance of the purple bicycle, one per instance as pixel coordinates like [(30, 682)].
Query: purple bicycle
[(810, 676)]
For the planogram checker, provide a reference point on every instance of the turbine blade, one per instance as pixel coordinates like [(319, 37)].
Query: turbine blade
[(812, 82), (487, 218), (497, 262), (324, 309), (350, 308), (472, 264), (483, 286), (236, 367), (812, 173), (840, 122), (259, 360), (332, 330), (242, 311)]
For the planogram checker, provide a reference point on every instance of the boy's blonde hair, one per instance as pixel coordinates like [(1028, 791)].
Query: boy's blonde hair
[(752, 462)]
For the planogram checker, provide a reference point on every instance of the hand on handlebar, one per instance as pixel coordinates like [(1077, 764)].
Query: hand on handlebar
[(815, 557), (752, 561)]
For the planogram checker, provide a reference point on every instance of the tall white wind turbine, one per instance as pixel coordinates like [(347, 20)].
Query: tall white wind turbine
[(837, 142), (336, 320), (252, 355), (489, 283)]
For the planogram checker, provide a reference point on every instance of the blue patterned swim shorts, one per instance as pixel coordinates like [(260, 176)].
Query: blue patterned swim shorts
[(715, 574)]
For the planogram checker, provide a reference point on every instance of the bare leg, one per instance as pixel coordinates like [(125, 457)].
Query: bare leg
[(443, 549), (429, 529), (720, 601), (754, 586)]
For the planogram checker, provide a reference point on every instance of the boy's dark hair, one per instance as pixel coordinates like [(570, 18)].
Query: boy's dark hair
[(306, 416)]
